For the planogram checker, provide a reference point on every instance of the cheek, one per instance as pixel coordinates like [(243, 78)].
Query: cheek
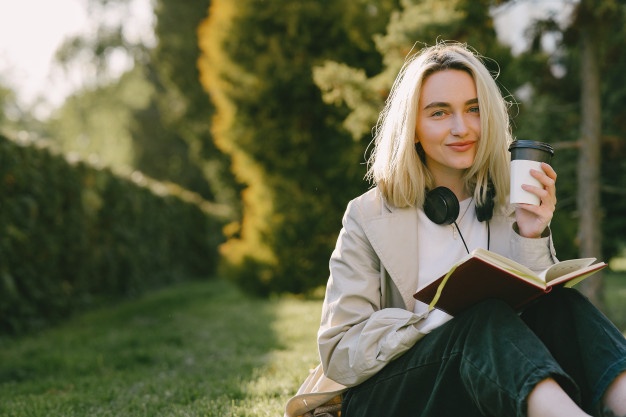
[(431, 148), (428, 132), (476, 125)]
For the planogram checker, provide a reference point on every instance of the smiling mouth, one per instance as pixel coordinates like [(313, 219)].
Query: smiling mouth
[(461, 146)]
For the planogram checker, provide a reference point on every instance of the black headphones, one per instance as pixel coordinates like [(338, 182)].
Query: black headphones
[(442, 207)]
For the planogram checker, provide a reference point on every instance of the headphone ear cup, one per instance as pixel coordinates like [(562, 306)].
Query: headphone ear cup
[(441, 206)]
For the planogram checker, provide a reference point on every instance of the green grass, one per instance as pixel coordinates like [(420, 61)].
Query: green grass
[(200, 349), (196, 349)]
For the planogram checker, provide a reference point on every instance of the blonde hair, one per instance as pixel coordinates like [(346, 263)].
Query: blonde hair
[(395, 166)]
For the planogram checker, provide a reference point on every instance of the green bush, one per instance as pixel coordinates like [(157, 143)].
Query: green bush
[(72, 235)]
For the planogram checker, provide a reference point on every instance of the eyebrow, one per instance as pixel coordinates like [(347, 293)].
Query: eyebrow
[(439, 104)]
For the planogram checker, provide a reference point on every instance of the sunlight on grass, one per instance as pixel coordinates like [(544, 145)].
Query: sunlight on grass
[(296, 323)]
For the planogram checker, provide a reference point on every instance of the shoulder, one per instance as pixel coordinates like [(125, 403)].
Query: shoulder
[(367, 205), (505, 211), (504, 217), (368, 198)]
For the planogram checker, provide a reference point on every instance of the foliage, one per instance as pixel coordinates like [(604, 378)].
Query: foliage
[(13, 117), (551, 112), (270, 68), (298, 168), (6, 98), (95, 123), (172, 136), (74, 235), (547, 84), (194, 349), (416, 24), (156, 116)]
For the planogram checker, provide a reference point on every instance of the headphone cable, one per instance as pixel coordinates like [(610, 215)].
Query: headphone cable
[(463, 239)]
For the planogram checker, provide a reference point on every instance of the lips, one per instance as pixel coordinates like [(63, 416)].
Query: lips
[(461, 146)]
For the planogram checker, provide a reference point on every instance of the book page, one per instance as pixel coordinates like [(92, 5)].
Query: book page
[(507, 264), (565, 267)]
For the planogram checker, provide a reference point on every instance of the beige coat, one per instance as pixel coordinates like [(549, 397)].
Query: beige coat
[(367, 317)]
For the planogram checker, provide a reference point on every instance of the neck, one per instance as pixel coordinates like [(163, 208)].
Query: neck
[(452, 179), (457, 187)]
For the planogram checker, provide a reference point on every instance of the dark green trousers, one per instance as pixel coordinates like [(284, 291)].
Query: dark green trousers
[(486, 361)]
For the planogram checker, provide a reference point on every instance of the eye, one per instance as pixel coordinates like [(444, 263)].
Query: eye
[(438, 113), (474, 109)]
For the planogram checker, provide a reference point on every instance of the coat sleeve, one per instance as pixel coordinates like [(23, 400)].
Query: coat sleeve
[(357, 336), (537, 254)]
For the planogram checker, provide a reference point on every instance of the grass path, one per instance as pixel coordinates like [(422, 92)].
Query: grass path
[(199, 349)]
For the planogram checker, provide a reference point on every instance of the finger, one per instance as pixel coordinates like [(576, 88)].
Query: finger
[(546, 178), (542, 213), (532, 220), (547, 199), (547, 168)]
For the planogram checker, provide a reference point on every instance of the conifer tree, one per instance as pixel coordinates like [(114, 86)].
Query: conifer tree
[(418, 23), (298, 167)]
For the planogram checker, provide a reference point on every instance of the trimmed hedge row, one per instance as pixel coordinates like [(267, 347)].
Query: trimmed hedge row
[(73, 235)]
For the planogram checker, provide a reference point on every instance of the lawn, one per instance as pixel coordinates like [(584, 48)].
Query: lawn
[(196, 349)]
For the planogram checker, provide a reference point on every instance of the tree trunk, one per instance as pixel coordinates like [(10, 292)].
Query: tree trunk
[(590, 219)]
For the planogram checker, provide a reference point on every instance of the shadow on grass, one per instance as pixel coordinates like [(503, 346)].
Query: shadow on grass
[(179, 351)]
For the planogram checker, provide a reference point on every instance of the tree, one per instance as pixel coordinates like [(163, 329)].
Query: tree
[(597, 26), (589, 153), (182, 108), (94, 122), (582, 104), (166, 135), (562, 98), (15, 120), (7, 102), (416, 24), (298, 168)]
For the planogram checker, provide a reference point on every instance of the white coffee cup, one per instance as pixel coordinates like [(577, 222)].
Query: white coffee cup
[(527, 155)]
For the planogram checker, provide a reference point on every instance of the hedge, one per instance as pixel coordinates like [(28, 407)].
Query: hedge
[(73, 235)]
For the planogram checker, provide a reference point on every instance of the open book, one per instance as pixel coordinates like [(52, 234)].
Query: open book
[(484, 274)]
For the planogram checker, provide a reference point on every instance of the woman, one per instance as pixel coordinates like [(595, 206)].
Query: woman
[(446, 125)]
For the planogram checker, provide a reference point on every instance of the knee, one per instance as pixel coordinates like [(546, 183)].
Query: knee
[(560, 304), (491, 306), (567, 294), (490, 312), (566, 297)]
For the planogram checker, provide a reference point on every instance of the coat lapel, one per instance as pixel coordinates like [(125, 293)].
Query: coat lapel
[(393, 234)]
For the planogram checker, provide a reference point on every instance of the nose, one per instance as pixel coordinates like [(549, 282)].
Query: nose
[(459, 126)]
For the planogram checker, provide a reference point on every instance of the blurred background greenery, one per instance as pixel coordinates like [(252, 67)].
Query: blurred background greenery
[(232, 144)]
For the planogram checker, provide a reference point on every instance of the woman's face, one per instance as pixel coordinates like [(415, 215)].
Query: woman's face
[(448, 122)]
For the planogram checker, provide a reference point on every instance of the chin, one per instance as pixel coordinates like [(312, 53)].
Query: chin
[(464, 164)]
